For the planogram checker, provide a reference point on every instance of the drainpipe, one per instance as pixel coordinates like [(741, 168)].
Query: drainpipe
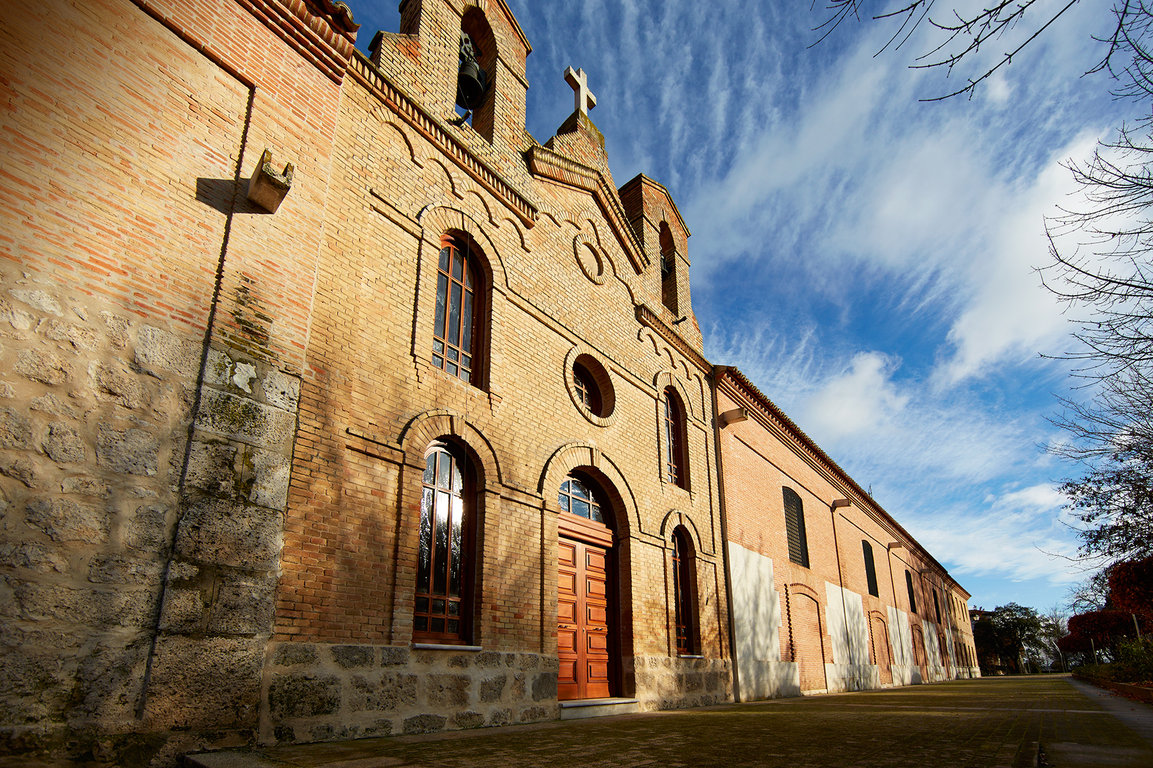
[(837, 504), (713, 377)]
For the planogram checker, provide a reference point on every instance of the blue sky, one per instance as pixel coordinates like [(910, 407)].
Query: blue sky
[(867, 259)]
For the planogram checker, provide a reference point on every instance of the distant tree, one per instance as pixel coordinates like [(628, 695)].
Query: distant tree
[(1114, 499), (1006, 635), (1054, 627), (1090, 595), (1104, 629), (1131, 588)]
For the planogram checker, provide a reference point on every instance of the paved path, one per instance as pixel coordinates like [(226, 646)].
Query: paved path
[(987, 723)]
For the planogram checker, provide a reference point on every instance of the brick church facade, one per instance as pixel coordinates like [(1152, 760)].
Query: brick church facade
[(331, 410)]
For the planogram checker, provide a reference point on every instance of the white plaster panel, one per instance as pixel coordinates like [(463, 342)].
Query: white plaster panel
[(756, 611)]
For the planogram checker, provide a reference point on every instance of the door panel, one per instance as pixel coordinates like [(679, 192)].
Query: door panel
[(582, 621)]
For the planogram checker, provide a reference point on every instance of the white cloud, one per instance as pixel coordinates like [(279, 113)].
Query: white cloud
[(858, 401)]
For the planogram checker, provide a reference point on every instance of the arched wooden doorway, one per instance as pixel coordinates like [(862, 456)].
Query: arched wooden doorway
[(587, 612), (920, 658), (808, 641)]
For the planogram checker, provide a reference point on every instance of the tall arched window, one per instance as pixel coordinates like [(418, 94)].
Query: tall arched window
[(912, 594), (676, 457), (684, 592), (444, 569), (870, 568), (795, 528), (456, 330)]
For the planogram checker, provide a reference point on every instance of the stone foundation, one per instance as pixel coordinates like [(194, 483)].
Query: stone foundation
[(670, 682), (319, 692)]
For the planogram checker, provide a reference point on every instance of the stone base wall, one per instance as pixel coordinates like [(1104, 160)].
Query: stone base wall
[(670, 682), (852, 677), (321, 692)]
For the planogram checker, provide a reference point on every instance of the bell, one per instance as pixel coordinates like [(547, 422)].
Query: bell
[(471, 83)]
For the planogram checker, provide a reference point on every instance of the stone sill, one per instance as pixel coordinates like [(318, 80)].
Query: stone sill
[(453, 648)]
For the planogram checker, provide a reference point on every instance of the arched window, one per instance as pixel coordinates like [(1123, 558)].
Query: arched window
[(676, 457), (684, 593), (795, 528), (870, 567), (586, 388), (456, 331), (912, 594), (444, 569), (577, 496), (936, 606)]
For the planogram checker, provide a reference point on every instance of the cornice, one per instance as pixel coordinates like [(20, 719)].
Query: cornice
[(770, 416), (548, 164), (407, 109), (321, 31), (650, 319)]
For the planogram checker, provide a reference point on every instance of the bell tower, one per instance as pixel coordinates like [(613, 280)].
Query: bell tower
[(465, 63)]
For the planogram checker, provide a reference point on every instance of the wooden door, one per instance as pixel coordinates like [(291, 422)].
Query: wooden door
[(583, 645)]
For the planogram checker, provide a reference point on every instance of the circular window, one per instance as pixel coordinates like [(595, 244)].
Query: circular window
[(590, 387)]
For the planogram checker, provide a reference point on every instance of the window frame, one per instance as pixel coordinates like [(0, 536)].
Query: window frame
[(685, 622), (470, 319), (796, 537), (675, 428), (464, 556)]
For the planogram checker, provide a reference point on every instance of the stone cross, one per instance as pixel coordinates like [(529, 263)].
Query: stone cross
[(585, 100)]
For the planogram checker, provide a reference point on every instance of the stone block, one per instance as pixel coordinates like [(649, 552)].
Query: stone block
[(536, 714), (32, 556), (352, 656), (130, 452), (117, 385), (303, 695), (424, 724), (292, 654), (19, 318), (222, 532), (117, 328), (450, 690), (212, 468), (147, 529), (492, 688), (244, 419), (500, 717), (281, 390), (78, 337), (19, 468), (159, 352), (63, 444), (271, 473), (243, 605), (15, 430), (118, 569), (183, 611), (205, 683), (130, 608), (468, 720), (67, 520), (544, 687), (45, 367), (50, 403), (38, 299), (84, 485), (387, 693), (393, 655)]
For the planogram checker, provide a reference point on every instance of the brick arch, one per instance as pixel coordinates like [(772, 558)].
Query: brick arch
[(430, 426), (588, 457), (675, 518), (666, 379), (435, 220)]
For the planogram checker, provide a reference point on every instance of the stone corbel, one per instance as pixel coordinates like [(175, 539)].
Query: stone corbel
[(267, 188)]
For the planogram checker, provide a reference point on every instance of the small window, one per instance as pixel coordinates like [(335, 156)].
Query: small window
[(668, 269), (684, 592), (441, 608), (912, 595), (936, 606), (676, 462), (588, 393), (455, 328), (577, 496), (870, 568), (795, 528)]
